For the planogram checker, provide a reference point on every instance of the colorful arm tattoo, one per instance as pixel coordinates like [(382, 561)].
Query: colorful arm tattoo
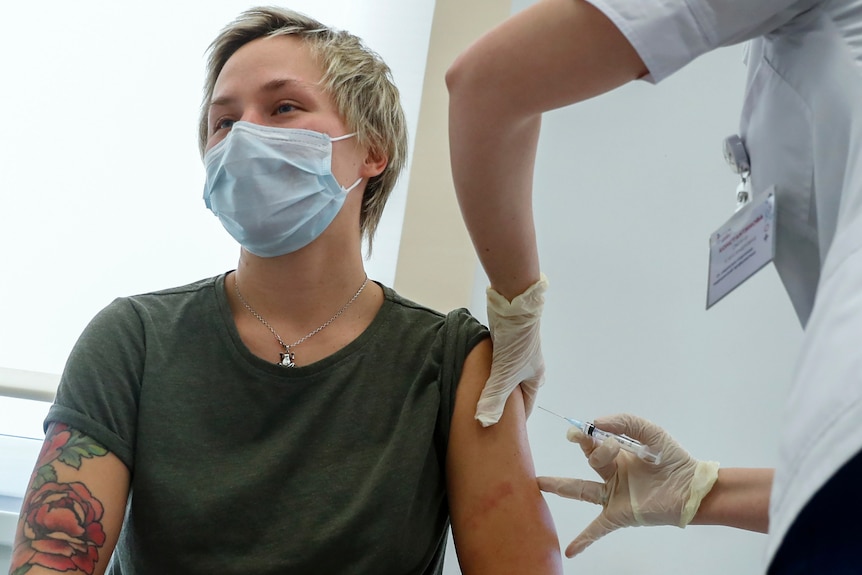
[(60, 527)]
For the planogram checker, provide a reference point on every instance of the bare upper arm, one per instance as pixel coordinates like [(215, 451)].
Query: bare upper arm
[(499, 519), (554, 53), (73, 507)]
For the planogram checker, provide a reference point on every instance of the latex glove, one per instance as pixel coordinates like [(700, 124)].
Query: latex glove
[(634, 492), (517, 358)]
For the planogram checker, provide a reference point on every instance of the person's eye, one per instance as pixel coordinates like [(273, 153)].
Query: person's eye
[(285, 108), (222, 124)]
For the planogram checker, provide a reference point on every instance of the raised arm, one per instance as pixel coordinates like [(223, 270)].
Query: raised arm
[(500, 521), (554, 53), (73, 508)]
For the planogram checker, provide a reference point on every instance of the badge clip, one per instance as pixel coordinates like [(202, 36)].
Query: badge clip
[(736, 157)]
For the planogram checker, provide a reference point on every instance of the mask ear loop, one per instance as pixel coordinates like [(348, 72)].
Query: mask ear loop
[(356, 183), (344, 137), (352, 186)]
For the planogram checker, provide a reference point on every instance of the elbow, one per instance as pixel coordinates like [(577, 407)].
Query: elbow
[(475, 108), (469, 103), (473, 80), (482, 92), (458, 76)]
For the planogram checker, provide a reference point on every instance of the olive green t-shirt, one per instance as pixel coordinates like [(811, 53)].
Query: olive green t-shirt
[(241, 466)]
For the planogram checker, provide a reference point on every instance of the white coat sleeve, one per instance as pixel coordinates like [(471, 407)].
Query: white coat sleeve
[(668, 34)]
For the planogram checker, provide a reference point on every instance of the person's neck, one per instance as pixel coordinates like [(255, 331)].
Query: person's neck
[(298, 287)]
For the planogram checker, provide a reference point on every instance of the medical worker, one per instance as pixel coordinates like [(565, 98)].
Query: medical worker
[(801, 132)]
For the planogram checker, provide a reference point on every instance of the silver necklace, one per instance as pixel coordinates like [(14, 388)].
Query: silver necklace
[(287, 356)]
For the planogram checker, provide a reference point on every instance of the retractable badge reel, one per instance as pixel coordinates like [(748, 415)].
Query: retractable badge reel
[(737, 158), (746, 243)]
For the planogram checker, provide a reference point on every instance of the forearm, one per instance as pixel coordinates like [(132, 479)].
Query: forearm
[(493, 148), (739, 498), (554, 53), (73, 509)]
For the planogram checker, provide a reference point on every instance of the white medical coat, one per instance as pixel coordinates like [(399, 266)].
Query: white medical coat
[(802, 126)]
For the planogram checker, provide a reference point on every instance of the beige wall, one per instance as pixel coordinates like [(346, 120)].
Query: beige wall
[(436, 261)]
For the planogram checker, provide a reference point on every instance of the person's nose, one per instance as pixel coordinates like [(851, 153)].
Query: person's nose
[(253, 116)]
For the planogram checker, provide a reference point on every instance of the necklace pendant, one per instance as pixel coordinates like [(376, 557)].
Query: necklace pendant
[(287, 358)]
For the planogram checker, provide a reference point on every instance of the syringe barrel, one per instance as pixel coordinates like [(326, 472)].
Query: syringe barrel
[(626, 443)]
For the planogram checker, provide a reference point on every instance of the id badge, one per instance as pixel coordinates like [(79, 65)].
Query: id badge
[(742, 246)]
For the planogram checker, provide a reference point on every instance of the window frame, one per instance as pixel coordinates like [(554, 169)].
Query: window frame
[(21, 384)]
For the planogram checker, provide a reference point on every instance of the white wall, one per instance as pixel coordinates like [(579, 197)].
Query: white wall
[(627, 190)]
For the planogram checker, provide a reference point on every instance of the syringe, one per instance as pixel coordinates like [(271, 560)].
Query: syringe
[(626, 443)]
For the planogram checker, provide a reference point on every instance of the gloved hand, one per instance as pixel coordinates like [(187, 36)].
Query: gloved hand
[(517, 358), (634, 492)]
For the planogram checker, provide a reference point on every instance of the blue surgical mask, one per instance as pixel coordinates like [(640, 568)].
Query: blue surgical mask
[(273, 188)]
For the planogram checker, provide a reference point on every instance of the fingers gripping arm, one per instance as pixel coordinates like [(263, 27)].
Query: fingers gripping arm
[(517, 359)]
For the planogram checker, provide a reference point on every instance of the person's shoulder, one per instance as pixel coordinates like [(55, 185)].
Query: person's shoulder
[(202, 286), (407, 306), (418, 314), (164, 300), (193, 287)]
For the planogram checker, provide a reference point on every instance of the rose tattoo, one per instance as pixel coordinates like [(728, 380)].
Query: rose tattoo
[(60, 526), (61, 529)]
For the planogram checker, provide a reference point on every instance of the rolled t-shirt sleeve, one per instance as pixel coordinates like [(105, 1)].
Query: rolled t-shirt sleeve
[(461, 332), (100, 386), (668, 34)]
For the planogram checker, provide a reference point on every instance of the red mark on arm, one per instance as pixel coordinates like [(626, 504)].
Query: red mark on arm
[(489, 502)]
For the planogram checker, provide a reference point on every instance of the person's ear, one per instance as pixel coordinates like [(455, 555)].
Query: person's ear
[(374, 164)]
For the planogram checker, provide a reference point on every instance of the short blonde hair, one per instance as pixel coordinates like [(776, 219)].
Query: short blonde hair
[(356, 78)]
